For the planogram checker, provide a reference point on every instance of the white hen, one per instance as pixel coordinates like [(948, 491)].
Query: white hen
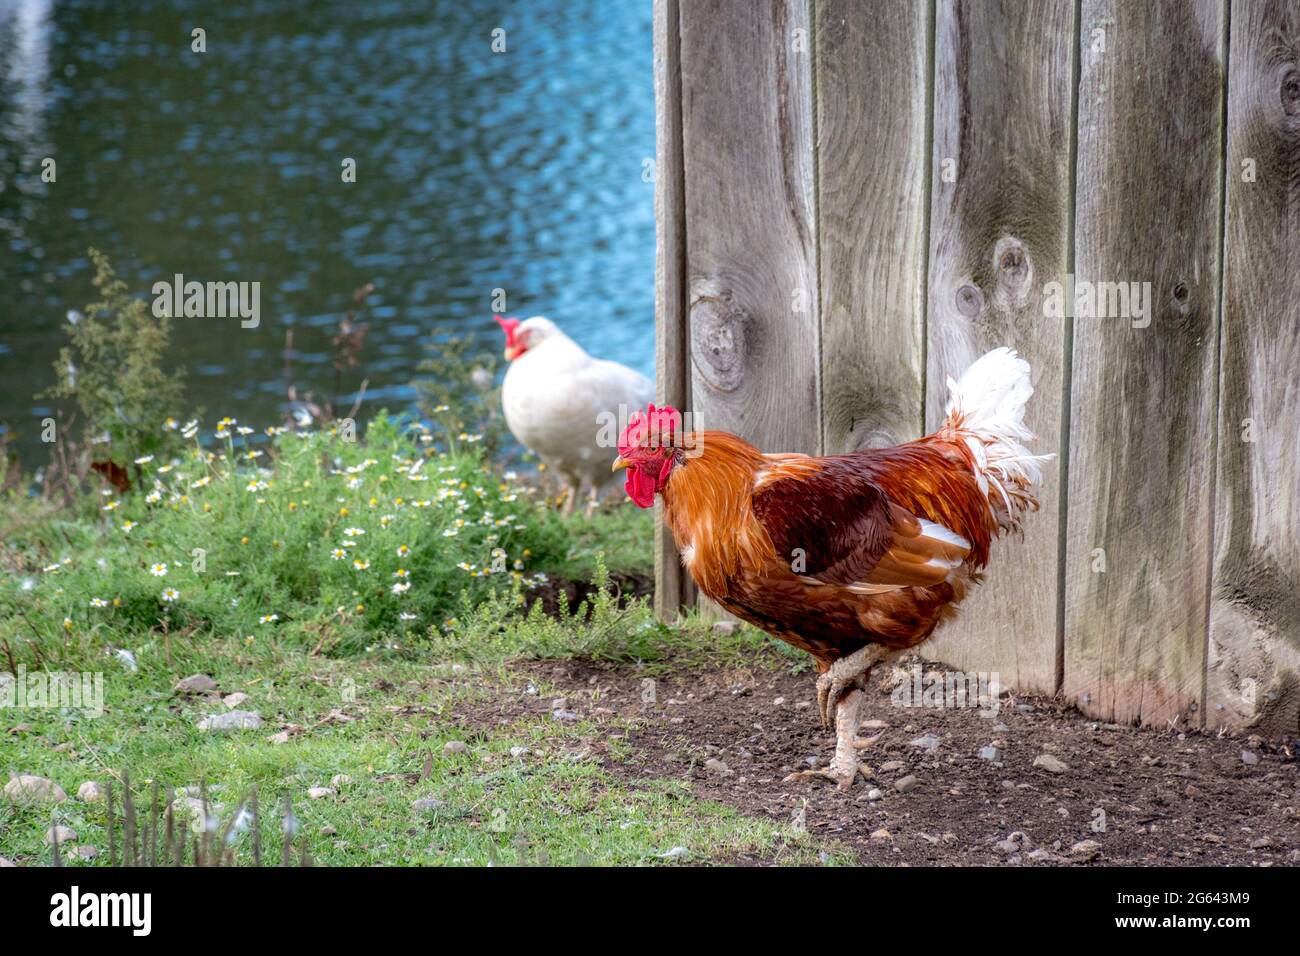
[(557, 398)]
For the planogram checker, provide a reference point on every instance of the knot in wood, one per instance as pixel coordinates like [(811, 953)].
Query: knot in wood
[(1289, 91), (1014, 273), (970, 300), (718, 342)]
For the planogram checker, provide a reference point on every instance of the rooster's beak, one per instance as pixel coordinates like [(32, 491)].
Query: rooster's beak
[(620, 463)]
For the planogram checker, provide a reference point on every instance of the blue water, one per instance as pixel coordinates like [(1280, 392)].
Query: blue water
[(476, 171)]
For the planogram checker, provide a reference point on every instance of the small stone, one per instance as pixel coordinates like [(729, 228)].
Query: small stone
[(65, 835), (905, 784), (90, 792), (426, 805), (1085, 850), (1007, 847), (812, 761), (803, 705), (927, 742), (1041, 856), (1192, 791), (560, 703), (564, 715), (1249, 758), (1025, 708), (724, 628), (882, 834), (875, 795), (234, 720), (778, 702), (86, 852), (455, 747), (889, 766), (5, 863), (676, 853), (195, 684), (1050, 764), (320, 793), (328, 831), (1000, 728), (715, 765), (27, 788), (340, 780), (1261, 843), (518, 752), (234, 700), (991, 753)]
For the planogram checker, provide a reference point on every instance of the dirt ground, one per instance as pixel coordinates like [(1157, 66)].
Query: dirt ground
[(939, 795)]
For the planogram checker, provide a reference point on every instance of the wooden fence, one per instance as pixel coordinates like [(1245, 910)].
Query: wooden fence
[(856, 198)]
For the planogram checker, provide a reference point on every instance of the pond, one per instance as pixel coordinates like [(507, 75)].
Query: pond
[(522, 168)]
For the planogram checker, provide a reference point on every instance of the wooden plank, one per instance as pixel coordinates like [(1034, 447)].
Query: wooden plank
[(673, 587), (1000, 178), (751, 248), (1254, 653), (873, 93), (1142, 413)]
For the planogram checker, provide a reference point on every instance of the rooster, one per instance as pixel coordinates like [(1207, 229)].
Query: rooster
[(555, 396), (853, 558)]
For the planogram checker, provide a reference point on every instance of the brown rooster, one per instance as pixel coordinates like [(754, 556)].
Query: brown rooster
[(853, 558)]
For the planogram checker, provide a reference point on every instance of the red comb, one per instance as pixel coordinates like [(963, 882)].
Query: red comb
[(655, 427), (508, 326)]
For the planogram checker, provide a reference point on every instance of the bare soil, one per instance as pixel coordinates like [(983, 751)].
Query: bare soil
[(1125, 796)]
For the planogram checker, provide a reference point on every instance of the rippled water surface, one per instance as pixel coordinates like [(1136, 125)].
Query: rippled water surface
[(475, 171)]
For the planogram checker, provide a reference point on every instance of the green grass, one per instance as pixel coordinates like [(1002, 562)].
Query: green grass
[(365, 680), (384, 724)]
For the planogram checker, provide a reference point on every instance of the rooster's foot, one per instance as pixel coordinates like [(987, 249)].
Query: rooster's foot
[(844, 766), (844, 674)]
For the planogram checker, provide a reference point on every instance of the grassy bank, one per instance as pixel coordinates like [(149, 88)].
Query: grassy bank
[(360, 595)]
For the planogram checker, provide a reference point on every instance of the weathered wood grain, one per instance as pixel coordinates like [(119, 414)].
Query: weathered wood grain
[(673, 587), (750, 242), (1142, 413), (1254, 652), (1000, 179), (873, 89)]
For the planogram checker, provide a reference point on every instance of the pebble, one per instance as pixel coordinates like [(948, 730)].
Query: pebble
[(724, 628), (904, 784), (455, 747), (778, 702), (1050, 764), (560, 703), (234, 700), (319, 793), (86, 852), (882, 834), (518, 752), (195, 684), (564, 715), (235, 720), (1041, 856), (65, 835), (328, 831), (340, 780), (5, 863), (27, 788), (1249, 758), (1000, 728), (812, 761), (927, 742), (889, 766), (717, 766), (90, 792), (1261, 843), (675, 853), (1086, 850), (803, 705), (875, 795), (1007, 847), (991, 753), (426, 805)]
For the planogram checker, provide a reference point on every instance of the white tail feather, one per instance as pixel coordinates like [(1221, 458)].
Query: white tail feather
[(986, 412)]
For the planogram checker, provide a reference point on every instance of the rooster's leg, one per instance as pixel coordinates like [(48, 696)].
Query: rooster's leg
[(844, 673), (570, 495), (844, 765)]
